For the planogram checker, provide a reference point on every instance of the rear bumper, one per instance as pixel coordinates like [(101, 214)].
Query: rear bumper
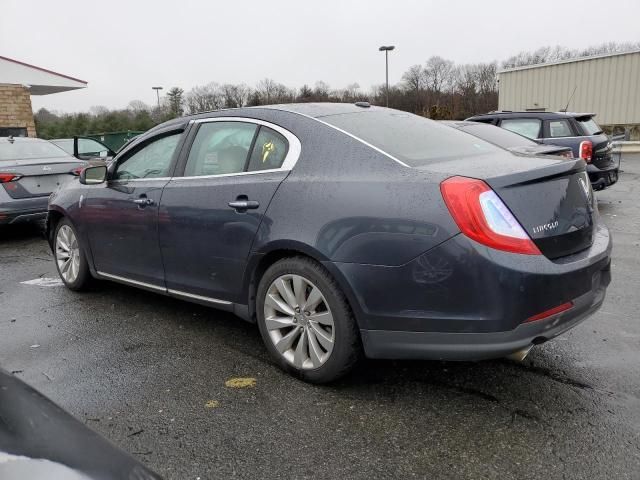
[(478, 346), (23, 211), (602, 178), (464, 301)]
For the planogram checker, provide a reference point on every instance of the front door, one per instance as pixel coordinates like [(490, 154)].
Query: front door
[(209, 216), (122, 214)]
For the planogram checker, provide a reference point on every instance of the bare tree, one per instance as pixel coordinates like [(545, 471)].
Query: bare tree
[(414, 80), (204, 98)]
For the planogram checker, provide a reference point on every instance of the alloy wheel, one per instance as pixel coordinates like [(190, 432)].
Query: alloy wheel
[(299, 321), (67, 254)]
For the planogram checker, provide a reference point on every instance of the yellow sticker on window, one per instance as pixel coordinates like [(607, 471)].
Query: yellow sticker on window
[(267, 148)]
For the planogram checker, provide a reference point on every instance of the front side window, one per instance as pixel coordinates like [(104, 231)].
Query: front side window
[(269, 151), (559, 128), (220, 148), (151, 161), (529, 127)]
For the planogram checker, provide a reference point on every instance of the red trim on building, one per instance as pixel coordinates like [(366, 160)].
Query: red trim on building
[(42, 69)]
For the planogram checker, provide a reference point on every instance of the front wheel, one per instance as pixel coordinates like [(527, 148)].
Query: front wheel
[(306, 322), (71, 261)]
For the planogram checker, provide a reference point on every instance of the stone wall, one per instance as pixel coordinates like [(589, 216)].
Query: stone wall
[(15, 108)]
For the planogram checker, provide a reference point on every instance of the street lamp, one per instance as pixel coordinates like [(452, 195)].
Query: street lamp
[(157, 89), (386, 50)]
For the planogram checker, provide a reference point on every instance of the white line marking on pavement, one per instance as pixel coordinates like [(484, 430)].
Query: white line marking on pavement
[(44, 282)]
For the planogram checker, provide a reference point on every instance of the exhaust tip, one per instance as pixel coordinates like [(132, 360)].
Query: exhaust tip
[(520, 355)]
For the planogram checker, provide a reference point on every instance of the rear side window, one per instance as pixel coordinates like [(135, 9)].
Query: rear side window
[(411, 139), (589, 126), (559, 128), (529, 127), (220, 148), (269, 150)]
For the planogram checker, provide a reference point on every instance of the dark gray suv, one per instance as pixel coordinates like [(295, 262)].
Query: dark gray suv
[(576, 130)]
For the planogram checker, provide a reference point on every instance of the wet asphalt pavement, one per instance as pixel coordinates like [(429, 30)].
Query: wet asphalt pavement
[(149, 374)]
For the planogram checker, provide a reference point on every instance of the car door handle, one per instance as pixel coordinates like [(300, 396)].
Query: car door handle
[(143, 202), (242, 205)]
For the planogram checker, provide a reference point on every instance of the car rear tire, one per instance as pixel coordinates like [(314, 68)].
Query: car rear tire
[(306, 322), (71, 261)]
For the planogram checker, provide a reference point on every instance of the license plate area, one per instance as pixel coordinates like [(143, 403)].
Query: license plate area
[(44, 184)]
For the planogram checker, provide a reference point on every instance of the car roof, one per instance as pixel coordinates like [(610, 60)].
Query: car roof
[(23, 139), (530, 114)]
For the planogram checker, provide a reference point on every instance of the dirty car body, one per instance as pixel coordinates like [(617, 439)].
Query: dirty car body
[(372, 195)]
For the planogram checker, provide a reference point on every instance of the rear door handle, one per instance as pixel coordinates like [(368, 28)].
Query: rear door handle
[(243, 205), (143, 201)]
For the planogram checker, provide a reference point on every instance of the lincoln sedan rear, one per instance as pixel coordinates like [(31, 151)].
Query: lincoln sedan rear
[(342, 231)]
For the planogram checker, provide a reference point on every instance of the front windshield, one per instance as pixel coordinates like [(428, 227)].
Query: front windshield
[(28, 149)]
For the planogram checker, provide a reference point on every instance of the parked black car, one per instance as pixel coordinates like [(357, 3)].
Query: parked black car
[(30, 169), (576, 130), (506, 139), (343, 228)]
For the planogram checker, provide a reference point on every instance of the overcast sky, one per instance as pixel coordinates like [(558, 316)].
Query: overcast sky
[(123, 48)]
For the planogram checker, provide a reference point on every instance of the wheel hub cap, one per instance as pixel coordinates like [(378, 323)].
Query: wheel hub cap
[(67, 254), (299, 321)]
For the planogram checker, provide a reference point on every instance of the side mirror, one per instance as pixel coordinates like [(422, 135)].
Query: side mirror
[(93, 175)]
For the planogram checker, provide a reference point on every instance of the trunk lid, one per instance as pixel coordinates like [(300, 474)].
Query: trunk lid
[(551, 197), (39, 177)]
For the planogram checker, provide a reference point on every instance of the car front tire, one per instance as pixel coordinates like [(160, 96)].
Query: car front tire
[(306, 322), (70, 258)]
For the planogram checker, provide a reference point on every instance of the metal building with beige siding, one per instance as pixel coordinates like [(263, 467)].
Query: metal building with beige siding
[(608, 85)]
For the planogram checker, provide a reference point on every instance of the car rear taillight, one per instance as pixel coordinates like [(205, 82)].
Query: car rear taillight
[(586, 150), (76, 171), (552, 311), (9, 177), (482, 216)]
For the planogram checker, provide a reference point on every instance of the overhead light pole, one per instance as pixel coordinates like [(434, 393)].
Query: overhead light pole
[(157, 89), (386, 50)]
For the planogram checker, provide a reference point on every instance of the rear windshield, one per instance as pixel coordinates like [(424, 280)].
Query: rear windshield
[(411, 139), (29, 149), (498, 136), (589, 125)]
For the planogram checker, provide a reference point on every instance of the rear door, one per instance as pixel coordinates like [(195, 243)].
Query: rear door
[(122, 214), (210, 215)]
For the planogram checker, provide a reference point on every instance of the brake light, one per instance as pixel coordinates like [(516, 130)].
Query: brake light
[(482, 216), (9, 177), (586, 150), (76, 171), (552, 311)]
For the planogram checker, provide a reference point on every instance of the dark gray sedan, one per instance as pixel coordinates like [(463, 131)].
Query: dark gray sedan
[(30, 169), (343, 230)]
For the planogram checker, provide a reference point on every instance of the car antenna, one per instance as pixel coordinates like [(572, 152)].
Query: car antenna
[(570, 97)]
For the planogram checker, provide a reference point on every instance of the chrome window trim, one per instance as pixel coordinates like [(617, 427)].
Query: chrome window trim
[(222, 175), (132, 282), (355, 137), (198, 297), (118, 181), (293, 152)]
